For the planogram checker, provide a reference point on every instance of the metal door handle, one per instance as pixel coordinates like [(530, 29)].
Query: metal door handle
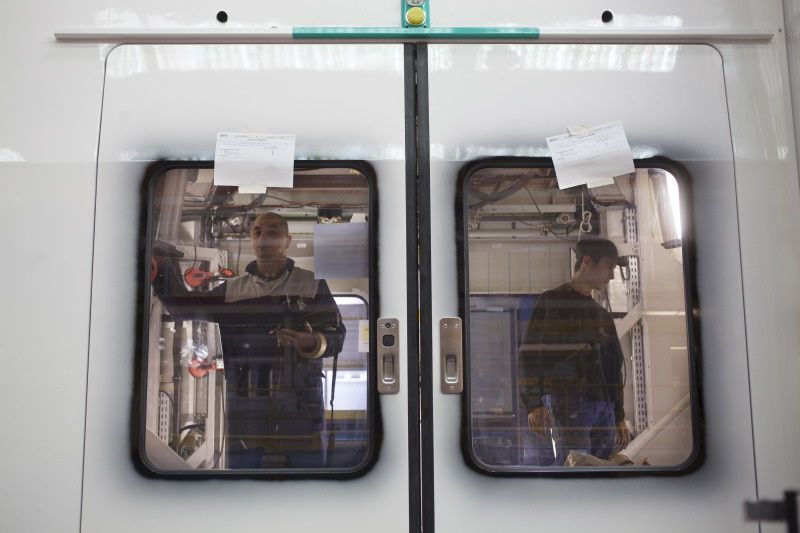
[(451, 355), (388, 356)]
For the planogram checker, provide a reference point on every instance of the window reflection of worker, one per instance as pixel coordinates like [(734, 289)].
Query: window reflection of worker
[(570, 365), (276, 324)]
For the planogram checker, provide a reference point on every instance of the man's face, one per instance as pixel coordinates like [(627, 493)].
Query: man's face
[(601, 271), (270, 238)]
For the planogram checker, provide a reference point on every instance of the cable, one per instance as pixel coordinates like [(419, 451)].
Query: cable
[(312, 204), (609, 203), (557, 236), (538, 226), (586, 222), (172, 410), (586, 219), (223, 441), (238, 256), (239, 251), (533, 200), (292, 203), (496, 194), (165, 393), (331, 432), (625, 373), (624, 366), (545, 228), (487, 198)]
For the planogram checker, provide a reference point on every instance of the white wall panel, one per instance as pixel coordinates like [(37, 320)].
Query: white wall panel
[(791, 10), (49, 120), (519, 269)]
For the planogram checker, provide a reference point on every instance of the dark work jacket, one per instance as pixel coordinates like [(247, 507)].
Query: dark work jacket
[(274, 395), (570, 347)]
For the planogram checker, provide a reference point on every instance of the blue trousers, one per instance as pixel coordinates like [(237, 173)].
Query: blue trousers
[(581, 424)]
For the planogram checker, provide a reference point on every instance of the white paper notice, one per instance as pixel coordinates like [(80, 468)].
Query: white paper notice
[(254, 161), (363, 335), (591, 156)]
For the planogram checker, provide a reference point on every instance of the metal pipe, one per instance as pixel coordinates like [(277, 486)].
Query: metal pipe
[(517, 235), (173, 191)]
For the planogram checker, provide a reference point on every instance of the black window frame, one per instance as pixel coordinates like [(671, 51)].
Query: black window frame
[(697, 456), (139, 398)]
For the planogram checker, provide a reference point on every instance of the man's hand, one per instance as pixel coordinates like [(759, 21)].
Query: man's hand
[(539, 420), (623, 436), (304, 340)]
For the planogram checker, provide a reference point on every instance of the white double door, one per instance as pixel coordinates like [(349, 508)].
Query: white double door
[(349, 102)]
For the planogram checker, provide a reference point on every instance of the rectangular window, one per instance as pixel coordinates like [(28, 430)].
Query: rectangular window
[(259, 324), (579, 325)]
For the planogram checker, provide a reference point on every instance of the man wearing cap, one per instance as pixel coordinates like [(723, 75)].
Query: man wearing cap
[(569, 372)]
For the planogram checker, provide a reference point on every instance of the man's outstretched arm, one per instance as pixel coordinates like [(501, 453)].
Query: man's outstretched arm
[(169, 288)]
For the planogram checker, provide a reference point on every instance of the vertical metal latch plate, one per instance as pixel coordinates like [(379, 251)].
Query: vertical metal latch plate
[(388, 356), (452, 360)]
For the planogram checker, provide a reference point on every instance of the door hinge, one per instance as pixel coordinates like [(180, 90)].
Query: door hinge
[(775, 511)]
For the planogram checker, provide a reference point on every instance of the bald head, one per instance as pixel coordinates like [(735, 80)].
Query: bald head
[(271, 218), (270, 237)]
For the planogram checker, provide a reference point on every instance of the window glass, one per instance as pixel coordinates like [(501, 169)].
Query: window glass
[(258, 329), (579, 351)]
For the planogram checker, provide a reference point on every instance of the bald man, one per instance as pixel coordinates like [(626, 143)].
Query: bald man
[(277, 323)]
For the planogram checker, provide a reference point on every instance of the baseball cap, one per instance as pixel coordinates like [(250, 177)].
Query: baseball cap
[(597, 248)]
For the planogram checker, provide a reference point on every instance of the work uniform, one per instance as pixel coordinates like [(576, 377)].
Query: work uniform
[(570, 362), (274, 396)]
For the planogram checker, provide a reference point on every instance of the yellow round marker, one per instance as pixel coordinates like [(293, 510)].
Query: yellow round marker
[(415, 16)]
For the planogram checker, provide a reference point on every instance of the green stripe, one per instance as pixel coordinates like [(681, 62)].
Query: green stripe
[(421, 34)]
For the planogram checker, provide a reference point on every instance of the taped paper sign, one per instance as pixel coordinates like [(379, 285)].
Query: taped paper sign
[(254, 161), (591, 156), (363, 335)]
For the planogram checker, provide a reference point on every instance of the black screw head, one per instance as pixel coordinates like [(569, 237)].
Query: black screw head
[(222, 17), (607, 16)]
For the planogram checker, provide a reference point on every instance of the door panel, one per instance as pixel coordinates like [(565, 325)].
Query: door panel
[(168, 102), (498, 100)]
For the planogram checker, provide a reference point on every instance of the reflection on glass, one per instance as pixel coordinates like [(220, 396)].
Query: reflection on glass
[(256, 304), (578, 351)]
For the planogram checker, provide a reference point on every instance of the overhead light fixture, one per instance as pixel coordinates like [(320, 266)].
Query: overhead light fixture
[(666, 198)]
